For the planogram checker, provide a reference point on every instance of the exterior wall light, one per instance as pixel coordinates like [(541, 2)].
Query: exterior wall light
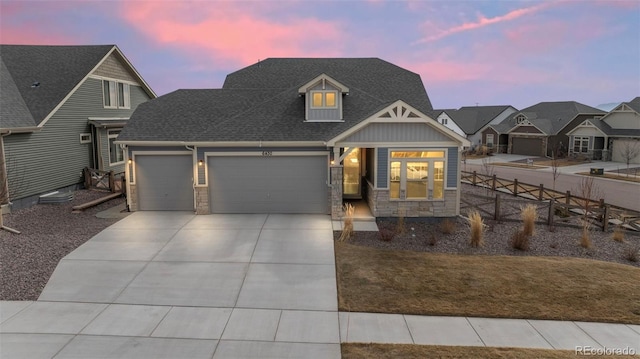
[(130, 161), (200, 162)]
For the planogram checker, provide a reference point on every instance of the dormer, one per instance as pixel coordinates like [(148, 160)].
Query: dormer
[(323, 99), (521, 119)]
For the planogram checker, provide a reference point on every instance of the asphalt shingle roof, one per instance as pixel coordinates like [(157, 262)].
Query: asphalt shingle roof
[(261, 102), (57, 69), (13, 111), (549, 117), (634, 104), (472, 118)]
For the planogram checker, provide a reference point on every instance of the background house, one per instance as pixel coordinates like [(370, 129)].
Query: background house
[(471, 121), (296, 136), (613, 136), (541, 129), (62, 108)]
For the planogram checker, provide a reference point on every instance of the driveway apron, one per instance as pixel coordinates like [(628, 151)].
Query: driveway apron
[(173, 284)]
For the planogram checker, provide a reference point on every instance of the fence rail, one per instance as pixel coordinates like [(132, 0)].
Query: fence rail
[(107, 180), (597, 211)]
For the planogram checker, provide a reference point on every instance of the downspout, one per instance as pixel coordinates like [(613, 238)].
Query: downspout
[(5, 184), (194, 173)]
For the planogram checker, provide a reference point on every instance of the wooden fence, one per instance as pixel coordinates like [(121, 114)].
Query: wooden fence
[(107, 180), (596, 210)]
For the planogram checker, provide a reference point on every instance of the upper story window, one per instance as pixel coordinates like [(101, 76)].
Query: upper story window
[(326, 99), (116, 94), (521, 118)]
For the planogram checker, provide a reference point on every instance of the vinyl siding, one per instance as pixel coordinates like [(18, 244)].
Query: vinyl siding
[(452, 167), (112, 67), (397, 132), (383, 167), (54, 157)]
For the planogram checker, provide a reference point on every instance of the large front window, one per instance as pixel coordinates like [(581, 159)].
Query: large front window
[(581, 144), (417, 174), (116, 155)]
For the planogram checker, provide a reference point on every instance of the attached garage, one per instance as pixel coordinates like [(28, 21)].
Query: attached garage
[(527, 146), (164, 182), (623, 146), (268, 184)]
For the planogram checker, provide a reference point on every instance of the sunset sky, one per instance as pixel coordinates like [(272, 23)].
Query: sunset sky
[(486, 52)]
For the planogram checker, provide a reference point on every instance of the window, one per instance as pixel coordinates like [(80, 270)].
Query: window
[(489, 140), (419, 174), (116, 155), (321, 99), (520, 118), (445, 121), (85, 138), (116, 94), (581, 144)]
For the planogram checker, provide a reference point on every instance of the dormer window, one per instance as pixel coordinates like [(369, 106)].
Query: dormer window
[(520, 118), (324, 99)]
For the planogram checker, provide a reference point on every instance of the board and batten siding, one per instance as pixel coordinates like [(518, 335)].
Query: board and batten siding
[(452, 164), (54, 157), (383, 167), (324, 114), (397, 132)]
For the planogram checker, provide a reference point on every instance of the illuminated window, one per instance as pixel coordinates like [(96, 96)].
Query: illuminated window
[(330, 99), (417, 154), (394, 185), (323, 99), (417, 174)]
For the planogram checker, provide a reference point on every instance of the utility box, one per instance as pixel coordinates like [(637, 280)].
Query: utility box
[(597, 171)]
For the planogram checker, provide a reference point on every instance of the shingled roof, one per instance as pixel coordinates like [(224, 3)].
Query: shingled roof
[(473, 118), (44, 76), (261, 102), (634, 104), (550, 117)]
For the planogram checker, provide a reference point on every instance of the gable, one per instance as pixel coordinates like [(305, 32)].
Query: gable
[(397, 132), (526, 128), (114, 68)]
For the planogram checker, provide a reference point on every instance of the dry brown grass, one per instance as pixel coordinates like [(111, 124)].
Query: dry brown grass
[(620, 177), (529, 215), (392, 351), (447, 226), (477, 229), (558, 288), (401, 227), (618, 234), (520, 241), (347, 230), (632, 253), (515, 164), (585, 235)]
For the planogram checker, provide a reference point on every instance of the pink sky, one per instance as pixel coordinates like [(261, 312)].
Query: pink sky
[(512, 53)]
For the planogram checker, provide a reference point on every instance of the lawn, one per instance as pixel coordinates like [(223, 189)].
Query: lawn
[(396, 281), (519, 165), (620, 177), (357, 351)]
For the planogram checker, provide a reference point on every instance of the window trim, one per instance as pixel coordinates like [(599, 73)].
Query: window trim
[(489, 144), (431, 172), (581, 140), (85, 138), (114, 94), (324, 99), (114, 136)]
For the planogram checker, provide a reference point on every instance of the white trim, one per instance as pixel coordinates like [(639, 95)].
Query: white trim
[(590, 125), (109, 137), (223, 144), (324, 99), (85, 140), (144, 83), (489, 124), (107, 118), (261, 154), (323, 77), (153, 153), (105, 78), (375, 172), (430, 179), (395, 144)]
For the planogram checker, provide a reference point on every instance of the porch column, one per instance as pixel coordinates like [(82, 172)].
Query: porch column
[(336, 192)]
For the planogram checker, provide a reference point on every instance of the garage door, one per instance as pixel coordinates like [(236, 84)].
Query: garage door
[(268, 184), (621, 146), (527, 146), (164, 183)]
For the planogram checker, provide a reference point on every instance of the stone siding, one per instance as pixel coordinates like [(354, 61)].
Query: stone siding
[(382, 206), (133, 198), (336, 192), (202, 200)]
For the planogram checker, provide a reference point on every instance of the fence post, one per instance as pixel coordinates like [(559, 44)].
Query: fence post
[(112, 182), (87, 177), (568, 202), (605, 218), (515, 187), (551, 212), (493, 186), (541, 194), (473, 180), (496, 213)]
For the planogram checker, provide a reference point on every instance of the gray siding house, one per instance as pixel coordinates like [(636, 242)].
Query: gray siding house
[(292, 135), (62, 108)]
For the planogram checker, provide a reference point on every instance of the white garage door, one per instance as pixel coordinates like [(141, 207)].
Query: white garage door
[(623, 148), (268, 184), (164, 182)]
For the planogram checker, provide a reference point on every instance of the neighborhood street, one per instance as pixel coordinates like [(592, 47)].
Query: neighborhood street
[(620, 193)]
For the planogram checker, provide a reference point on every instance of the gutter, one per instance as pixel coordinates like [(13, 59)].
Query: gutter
[(15, 130), (226, 143)]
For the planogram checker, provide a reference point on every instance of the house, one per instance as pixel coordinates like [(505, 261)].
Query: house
[(541, 129), (613, 136), (470, 121), (295, 135), (61, 109)]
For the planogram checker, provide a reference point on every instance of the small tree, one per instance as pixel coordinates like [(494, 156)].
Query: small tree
[(555, 164), (488, 170), (629, 151), (588, 190)]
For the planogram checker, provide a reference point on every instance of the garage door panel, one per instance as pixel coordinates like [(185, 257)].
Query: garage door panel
[(526, 146), (276, 184), (164, 183)]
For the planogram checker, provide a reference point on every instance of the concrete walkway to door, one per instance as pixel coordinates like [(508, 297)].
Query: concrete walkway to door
[(173, 285)]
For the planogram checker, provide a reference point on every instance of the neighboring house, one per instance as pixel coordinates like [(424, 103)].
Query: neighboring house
[(470, 121), (541, 129), (61, 108), (609, 137), (296, 136)]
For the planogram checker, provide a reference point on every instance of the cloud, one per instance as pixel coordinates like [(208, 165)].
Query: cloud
[(233, 32), (19, 24), (484, 21)]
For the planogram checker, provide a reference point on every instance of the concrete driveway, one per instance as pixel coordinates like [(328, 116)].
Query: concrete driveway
[(171, 284)]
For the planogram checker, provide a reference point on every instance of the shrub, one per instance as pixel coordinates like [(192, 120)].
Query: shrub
[(585, 237), (386, 235), (447, 226), (400, 226), (618, 234), (433, 240), (529, 216), (347, 231), (632, 253), (477, 227), (520, 241)]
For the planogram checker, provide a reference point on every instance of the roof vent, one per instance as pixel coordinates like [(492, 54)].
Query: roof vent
[(35, 84)]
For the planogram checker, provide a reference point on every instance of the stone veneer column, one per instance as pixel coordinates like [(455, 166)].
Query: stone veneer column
[(336, 192), (132, 196), (202, 200)]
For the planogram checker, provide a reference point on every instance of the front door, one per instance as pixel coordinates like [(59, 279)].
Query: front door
[(351, 185)]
